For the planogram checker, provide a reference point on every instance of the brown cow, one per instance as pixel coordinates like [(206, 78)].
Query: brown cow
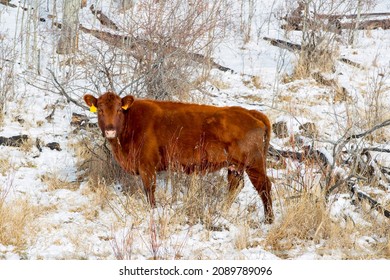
[(149, 136)]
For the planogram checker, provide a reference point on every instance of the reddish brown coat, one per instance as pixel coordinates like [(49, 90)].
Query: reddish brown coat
[(149, 136)]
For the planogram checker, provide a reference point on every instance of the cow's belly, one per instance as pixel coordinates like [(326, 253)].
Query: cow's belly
[(200, 157)]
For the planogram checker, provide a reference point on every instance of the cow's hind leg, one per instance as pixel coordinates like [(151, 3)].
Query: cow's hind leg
[(263, 185), (236, 182), (149, 183)]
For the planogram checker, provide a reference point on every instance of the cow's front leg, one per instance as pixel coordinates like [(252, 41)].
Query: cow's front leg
[(149, 182)]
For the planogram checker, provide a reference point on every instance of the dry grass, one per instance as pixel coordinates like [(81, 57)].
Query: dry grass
[(253, 82), (5, 166), (306, 221), (15, 217), (203, 199), (315, 61), (303, 219), (55, 182)]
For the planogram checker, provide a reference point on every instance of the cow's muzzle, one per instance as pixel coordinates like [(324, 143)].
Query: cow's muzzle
[(110, 134)]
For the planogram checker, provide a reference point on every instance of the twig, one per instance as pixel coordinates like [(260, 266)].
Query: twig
[(371, 130), (104, 20), (62, 91), (49, 118), (376, 149)]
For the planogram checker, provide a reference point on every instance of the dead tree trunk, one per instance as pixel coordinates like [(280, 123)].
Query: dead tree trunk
[(127, 4), (68, 42)]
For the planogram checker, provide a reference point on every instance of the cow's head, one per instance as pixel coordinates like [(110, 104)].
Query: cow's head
[(111, 111)]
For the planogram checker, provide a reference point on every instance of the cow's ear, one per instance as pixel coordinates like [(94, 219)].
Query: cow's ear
[(91, 102), (127, 101)]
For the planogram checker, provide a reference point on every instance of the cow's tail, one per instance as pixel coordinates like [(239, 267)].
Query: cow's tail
[(265, 120)]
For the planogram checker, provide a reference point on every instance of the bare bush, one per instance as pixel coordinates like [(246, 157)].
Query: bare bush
[(98, 164), (319, 22), (164, 44)]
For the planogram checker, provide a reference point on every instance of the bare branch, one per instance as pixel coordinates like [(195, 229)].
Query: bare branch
[(63, 92), (104, 20)]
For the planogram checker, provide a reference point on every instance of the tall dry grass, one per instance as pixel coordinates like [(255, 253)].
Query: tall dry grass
[(16, 218)]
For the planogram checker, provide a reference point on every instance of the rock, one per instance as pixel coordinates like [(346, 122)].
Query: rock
[(54, 146), (280, 129), (309, 130)]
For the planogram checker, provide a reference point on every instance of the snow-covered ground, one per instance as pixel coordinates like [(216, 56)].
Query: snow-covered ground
[(72, 222)]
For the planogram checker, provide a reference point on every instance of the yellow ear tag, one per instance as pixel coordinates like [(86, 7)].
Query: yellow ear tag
[(125, 107), (93, 109)]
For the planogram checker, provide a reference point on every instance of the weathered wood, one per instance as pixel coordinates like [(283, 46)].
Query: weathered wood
[(373, 203), (68, 42), (296, 47), (134, 44), (283, 44), (7, 3), (307, 154), (351, 16), (334, 24), (352, 63), (368, 24), (104, 20)]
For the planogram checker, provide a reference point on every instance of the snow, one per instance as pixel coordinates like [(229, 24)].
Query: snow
[(72, 225)]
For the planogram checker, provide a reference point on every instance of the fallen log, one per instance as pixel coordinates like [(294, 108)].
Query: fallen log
[(7, 3), (283, 44), (373, 203), (296, 47), (104, 20), (352, 63), (352, 16), (131, 43), (308, 154), (368, 24), (334, 24)]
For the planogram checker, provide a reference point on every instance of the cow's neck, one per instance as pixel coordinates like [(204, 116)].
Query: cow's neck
[(117, 151), (116, 145)]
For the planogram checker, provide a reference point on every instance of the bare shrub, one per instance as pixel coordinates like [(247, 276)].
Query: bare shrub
[(321, 32), (375, 111), (174, 32), (97, 164), (166, 48)]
